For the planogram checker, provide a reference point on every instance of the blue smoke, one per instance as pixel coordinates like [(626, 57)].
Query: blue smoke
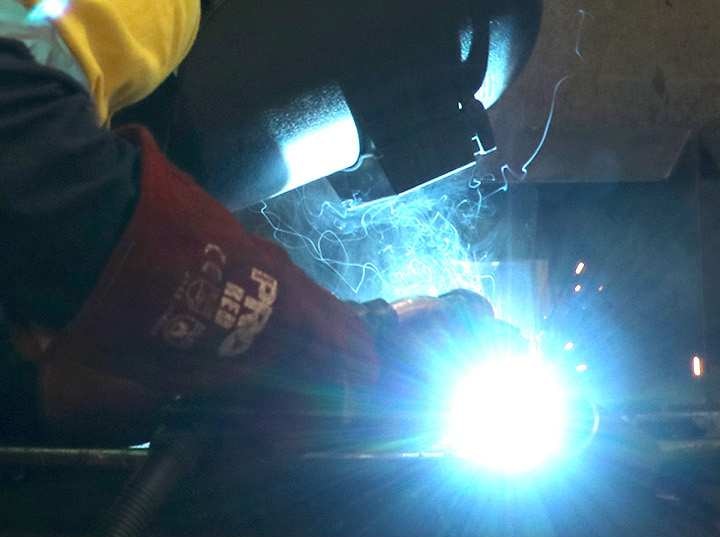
[(427, 241), (423, 242), (443, 236)]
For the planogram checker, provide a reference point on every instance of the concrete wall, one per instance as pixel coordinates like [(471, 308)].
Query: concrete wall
[(642, 66)]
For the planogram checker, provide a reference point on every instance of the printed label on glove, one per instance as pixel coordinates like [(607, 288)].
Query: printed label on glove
[(250, 324), (183, 331), (231, 308)]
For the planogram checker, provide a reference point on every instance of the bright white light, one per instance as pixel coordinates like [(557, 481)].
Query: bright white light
[(578, 288), (580, 268), (488, 93), (508, 415), (48, 9), (322, 151), (497, 72), (698, 366), (569, 346), (581, 368), (466, 36), (316, 133)]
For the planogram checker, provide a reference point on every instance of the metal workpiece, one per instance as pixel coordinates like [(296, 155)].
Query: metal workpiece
[(34, 456), (233, 484), (681, 432), (132, 458), (663, 427)]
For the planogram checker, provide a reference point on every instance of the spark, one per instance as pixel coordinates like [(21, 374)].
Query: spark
[(426, 241), (284, 233), (415, 243), (583, 14), (698, 366), (506, 170)]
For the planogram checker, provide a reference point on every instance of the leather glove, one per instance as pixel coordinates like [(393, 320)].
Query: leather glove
[(190, 303), (58, 401)]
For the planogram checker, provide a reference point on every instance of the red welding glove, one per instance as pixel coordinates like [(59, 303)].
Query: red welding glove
[(78, 405), (191, 303)]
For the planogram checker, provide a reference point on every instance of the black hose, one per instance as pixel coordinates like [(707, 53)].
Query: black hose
[(145, 493)]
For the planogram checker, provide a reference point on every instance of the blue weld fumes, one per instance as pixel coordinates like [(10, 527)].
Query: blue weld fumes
[(423, 242), (427, 241)]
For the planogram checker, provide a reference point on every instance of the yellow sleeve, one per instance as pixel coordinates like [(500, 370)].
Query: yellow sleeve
[(127, 47)]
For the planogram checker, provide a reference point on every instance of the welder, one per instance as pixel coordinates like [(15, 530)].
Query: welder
[(122, 279)]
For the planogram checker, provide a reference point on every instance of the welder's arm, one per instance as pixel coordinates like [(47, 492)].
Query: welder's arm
[(191, 302), (159, 283), (67, 188)]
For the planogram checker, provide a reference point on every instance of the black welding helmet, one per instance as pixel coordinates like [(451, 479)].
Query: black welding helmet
[(277, 93)]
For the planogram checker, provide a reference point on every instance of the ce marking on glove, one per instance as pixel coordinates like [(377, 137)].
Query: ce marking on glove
[(207, 297), (182, 331)]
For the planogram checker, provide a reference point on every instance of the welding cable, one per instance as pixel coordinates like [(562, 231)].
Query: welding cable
[(173, 457)]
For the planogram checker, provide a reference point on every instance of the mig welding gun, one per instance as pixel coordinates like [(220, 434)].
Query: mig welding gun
[(455, 381), (403, 329)]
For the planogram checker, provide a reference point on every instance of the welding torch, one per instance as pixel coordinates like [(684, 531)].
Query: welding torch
[(412, 314), (188, 426)]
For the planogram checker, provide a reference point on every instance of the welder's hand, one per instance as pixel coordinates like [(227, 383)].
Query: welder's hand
[(73, 404), (191, 303)]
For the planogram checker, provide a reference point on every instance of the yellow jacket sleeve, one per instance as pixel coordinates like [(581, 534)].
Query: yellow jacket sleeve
[(127, 47)]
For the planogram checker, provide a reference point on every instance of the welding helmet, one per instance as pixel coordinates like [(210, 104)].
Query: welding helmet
[(125, 47), (275, 94)]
